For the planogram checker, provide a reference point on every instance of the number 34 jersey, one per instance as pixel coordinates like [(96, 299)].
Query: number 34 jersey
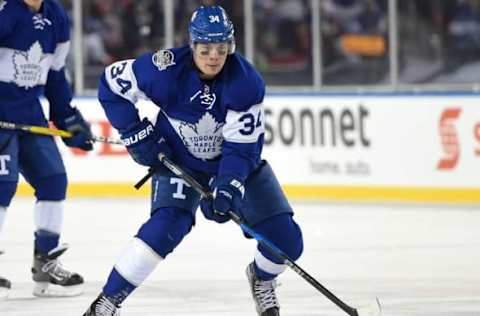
[(213, 126)]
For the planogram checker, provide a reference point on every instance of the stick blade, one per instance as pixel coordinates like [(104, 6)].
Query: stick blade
[(373, 309)]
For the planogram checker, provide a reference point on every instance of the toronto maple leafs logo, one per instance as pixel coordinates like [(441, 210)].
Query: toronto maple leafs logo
[(203, 139), (28, 69), (163, 59), (2, 4)]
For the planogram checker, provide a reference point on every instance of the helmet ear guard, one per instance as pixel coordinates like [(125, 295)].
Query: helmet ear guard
[(211, 24)]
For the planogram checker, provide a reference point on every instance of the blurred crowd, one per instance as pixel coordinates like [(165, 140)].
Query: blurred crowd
[(435, 37)]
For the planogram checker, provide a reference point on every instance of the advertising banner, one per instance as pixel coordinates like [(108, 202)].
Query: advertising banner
[(380, 140), (343, 147)]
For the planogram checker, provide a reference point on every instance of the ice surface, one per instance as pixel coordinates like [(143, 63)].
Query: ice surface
[(419, 260)]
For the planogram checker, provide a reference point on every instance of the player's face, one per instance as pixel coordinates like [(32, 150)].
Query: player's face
[(210, 58), (34, 4)]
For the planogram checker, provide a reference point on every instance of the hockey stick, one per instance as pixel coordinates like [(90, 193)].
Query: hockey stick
[(374, 309), (149, 174), (53, 132)]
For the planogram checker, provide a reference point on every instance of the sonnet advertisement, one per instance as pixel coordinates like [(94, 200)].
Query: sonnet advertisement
[(342, 145)]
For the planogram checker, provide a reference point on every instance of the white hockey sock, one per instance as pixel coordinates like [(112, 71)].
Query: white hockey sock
[(48, 215), (137, 261), (267, 265)]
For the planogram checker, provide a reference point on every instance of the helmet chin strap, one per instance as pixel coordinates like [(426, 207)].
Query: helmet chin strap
[(232, 46)]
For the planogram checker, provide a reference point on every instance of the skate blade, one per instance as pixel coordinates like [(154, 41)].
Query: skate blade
[(374, 309), (4, 293), (45, 289)]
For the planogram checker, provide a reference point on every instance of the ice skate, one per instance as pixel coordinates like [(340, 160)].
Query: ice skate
[(263, 293), (51, 279), (103, 306), (5, 287)]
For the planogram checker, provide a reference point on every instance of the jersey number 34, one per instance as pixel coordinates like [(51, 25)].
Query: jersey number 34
[(249, 123), (116, 71)]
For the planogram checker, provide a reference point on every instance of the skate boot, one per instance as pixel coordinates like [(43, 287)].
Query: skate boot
[(103, 306), (51, 279), (5, 287), (263, 293)]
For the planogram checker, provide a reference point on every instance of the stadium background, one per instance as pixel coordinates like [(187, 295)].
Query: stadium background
[(368, 100)]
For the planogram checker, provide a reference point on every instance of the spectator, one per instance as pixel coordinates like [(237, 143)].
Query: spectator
[(464, 31), (355, 41), (284, 41), (115, 30)]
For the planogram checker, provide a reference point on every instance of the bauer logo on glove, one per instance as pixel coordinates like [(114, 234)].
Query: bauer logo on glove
[(139, 136)]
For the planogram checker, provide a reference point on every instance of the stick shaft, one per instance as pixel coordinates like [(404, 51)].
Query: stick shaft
[(108, 140), (264, 242), (149, 174), (41, 130)]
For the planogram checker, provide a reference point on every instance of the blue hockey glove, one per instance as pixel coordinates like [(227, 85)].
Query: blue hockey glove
[(229, 194), (76, 124), (144, 143), (206, 206)]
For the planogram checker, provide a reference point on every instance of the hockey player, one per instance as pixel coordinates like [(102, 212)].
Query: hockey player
[(211, 122), (34, 42)]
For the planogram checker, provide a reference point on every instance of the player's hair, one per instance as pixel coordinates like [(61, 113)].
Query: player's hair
[(211, 24)]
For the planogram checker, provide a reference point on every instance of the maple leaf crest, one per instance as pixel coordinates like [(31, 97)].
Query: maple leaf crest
[(203, 139), (28, 69)]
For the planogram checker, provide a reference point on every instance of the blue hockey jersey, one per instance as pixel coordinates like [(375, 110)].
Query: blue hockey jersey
[(214, 126), (33, 49)]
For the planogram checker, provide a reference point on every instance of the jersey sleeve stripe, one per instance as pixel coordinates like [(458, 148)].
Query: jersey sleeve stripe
[(60, 56), (244, 126), (122, 81)]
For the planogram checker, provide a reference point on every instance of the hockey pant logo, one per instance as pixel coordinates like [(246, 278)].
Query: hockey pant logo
[(3, 164), (179, 194)]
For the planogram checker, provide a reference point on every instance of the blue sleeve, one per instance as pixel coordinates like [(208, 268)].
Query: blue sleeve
[(124, 83), (7, 19), (59, 95), (57, 89), (239, 160), (63, 25), (244, 127), (120, 112)]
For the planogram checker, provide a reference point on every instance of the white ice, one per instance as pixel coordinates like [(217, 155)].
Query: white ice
[(418, 260)]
